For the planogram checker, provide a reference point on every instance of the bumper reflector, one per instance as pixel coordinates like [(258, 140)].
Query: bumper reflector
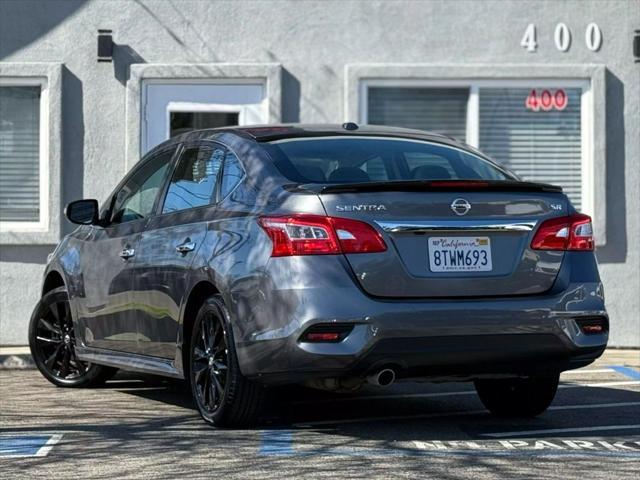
[(326, 332), (322, 337), (593, 325)]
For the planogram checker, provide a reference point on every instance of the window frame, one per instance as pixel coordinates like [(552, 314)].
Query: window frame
[(268, 74), (473, 112), (242, 109), (42, 225), (49, 227), (105, 215), (184, 146), (181, 147), (219, 196)]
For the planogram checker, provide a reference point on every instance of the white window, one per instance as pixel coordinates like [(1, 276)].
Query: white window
[(24, 195), (172, 107), (166, 99), (538, 129)]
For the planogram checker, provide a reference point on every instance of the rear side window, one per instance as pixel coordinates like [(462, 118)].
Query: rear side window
[(232, 174), (376, 159), (194, 181)]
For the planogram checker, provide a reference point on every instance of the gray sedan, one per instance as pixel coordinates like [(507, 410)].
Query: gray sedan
[(331, 256)]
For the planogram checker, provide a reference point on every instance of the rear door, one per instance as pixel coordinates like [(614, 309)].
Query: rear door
[(105, 310), (169, 245)]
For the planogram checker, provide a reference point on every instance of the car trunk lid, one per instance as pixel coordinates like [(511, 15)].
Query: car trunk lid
[(417, 219)]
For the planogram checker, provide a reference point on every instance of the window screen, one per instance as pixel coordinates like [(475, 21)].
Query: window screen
[(194, 181), (19, 154), (542, 145), (440, 110)]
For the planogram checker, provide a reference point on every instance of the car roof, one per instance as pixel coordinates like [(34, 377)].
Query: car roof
[(273, 132), (268, 133)]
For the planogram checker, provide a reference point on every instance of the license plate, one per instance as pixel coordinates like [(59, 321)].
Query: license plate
[(460, 254)]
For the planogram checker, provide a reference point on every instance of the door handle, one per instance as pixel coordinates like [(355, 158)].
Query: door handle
[(186, 247), (127, 253)]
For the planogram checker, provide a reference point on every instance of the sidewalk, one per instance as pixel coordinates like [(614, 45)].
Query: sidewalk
[(19, 357)]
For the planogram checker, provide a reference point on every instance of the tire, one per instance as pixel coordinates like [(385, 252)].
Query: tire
[(224, 397), (521, 397), (52, 344)]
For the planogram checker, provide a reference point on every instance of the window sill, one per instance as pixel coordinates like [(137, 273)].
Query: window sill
[(29, 235)]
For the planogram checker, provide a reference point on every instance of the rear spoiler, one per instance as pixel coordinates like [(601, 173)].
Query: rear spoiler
[(431, 185)]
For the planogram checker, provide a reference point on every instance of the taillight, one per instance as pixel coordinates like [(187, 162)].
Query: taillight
[(564, 233), (305, 234)]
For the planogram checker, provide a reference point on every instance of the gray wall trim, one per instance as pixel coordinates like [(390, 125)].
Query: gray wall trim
[(594, 73), (271, 73), (53, 74)]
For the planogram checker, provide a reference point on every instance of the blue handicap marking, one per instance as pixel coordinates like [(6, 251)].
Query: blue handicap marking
[(277, 442), (27, 445), (627, 371)]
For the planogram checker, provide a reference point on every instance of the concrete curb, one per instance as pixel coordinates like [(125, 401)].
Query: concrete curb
[(16, 362), (15, 358)]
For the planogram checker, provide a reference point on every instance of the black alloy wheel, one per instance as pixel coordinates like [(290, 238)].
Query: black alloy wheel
[(209, 363), (52, 341), (223, 395)]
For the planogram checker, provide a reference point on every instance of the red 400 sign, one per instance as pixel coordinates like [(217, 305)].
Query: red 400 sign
[(546, 100)]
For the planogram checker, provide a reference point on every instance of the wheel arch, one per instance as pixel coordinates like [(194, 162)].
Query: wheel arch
[(198, 295), (52, 281)]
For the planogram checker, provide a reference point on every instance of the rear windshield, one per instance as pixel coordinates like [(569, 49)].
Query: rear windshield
[(375, 159)]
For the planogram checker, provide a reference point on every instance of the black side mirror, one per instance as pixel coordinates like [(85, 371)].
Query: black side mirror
[(83, 212)]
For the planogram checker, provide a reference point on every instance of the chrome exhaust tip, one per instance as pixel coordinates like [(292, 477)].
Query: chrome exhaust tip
[(383, 378)]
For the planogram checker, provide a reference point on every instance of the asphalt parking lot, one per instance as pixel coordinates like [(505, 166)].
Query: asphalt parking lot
[(147, 428)]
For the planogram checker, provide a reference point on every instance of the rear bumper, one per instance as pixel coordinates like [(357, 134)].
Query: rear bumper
[(440, 339)]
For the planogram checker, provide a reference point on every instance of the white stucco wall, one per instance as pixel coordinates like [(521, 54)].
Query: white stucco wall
[(313, 42)]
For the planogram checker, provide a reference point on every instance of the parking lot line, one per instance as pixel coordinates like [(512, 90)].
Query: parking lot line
[(600, 384), (627, 371), (414, 452), (598, 428), (583, 371), (277, 442), (410, 452), (594, 405), (13, 446), (280, 442), (456, 413)]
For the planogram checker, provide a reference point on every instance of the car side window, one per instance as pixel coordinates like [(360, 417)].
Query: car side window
[(232, 174), (136, 199), (194, 181)]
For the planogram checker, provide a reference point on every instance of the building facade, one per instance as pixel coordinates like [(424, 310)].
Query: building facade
[(549, 88)]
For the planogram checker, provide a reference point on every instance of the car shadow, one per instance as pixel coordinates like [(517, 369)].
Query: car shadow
[(406, 411), (151, 387)]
